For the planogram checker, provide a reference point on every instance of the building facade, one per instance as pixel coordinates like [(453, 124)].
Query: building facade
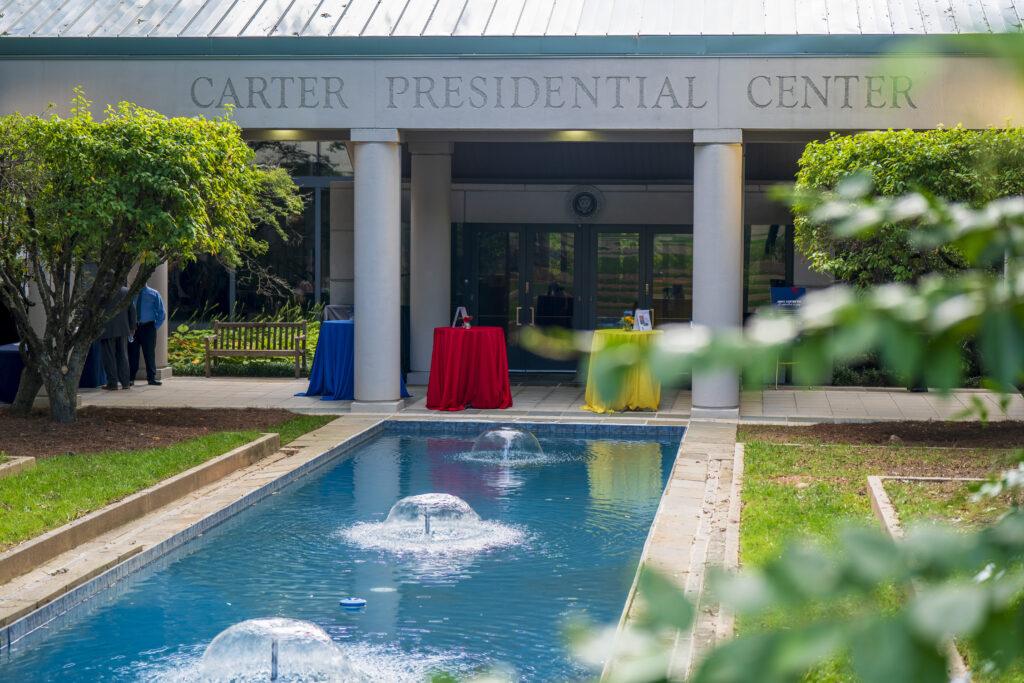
[(545, 163)]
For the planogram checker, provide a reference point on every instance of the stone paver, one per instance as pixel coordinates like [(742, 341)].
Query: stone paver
[(565, 401)]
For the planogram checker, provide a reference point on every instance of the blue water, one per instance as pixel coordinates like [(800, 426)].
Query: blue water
[(583, 519)]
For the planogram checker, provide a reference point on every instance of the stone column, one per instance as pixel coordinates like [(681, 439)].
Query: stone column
[(717, 257), (158, 281), (377, 261), (430, 251)]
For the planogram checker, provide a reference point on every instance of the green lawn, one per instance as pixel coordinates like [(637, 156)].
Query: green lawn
[(814, 489), (62, 488), (948, 502)]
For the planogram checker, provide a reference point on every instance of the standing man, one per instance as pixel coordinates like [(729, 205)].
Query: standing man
[(114, 341), (150, 308)]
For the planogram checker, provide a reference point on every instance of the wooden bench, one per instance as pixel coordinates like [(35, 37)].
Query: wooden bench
[(257, 340)]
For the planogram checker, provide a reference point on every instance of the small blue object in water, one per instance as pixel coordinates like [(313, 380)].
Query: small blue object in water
[(353, 603)]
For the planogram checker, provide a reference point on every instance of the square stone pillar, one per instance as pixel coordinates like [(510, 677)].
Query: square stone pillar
[(158, 281), (430, 252), (377, 256), (717, 258)]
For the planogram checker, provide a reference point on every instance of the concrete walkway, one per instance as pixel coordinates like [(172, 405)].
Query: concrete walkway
[(564, 402)]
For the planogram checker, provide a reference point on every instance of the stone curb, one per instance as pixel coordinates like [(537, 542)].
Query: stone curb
[(30, 554), (13, 465), (886, 513)]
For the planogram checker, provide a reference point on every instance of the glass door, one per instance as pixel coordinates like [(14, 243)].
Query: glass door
[(523, 276), (670, 279), (640, 267), (494, 302), (618, 275), (549, 292)]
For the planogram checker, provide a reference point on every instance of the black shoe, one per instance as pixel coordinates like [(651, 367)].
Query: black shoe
[(155, 383), (126, 387), (109, 387)]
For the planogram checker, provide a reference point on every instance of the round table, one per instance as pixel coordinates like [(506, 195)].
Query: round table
[(469, 368), (332, 375), (640, 389)]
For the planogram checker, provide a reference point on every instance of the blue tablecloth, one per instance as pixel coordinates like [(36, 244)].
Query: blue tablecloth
[(11, 367), (332, 375)]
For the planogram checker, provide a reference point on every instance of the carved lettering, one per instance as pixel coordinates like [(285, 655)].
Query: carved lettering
[(392, 91), (901, 85), (783, 91), (333, 85), (195, 95), (758, 102), (307, 92), (552, 89), (424, 86), (516, 91), (283, 82), (875, 84), (669, 92), (842, 91), (228, 91), (591, 94)]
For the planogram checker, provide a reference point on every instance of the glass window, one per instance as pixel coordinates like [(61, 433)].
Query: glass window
[(672, 278), (325, 245), (197, 291), (286, 272), (768, 262), (297, 157), (333, 159), (618, 276)]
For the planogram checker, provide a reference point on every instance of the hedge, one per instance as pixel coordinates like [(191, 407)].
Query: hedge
[(973, 166)]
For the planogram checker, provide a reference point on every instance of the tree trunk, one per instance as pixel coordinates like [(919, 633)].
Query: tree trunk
[(63, 394), (64, 401), (28, 389)]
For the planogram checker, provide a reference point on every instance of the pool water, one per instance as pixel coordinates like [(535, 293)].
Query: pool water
[(576, 526)]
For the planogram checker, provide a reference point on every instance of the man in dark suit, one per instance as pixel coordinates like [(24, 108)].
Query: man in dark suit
[(114, 340)]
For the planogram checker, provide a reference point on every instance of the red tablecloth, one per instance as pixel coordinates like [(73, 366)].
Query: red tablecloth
[(469, 368)]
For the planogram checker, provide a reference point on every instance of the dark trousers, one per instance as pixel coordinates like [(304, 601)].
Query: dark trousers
[(115, 361), (145, 341)]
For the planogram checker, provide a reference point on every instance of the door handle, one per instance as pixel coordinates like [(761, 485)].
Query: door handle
[(518, 308), (533, 316)]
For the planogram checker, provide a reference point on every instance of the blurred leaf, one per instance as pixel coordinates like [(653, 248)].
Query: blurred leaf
[(665, 604), (883, 651), (948, 611)]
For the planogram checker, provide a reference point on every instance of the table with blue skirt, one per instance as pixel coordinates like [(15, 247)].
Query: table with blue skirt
[(11, 366), (332, 376)]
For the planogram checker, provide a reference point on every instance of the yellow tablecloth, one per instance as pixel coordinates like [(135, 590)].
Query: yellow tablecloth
[(640, 390)]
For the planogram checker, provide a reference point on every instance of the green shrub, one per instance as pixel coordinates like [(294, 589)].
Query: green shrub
[(955, 164)]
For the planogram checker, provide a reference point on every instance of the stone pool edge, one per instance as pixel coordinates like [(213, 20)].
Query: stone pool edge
[(696, 525), (131, 562), (44, 614)]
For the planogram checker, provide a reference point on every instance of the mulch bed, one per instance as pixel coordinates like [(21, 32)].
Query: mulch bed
[(106, 429), (1007, 434)]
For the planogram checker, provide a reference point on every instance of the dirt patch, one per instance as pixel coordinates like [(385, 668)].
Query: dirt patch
[(1007, 434), (106, 429)]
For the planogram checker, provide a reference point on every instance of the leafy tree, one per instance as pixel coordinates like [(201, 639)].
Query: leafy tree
[(970, 166), (85, 203)]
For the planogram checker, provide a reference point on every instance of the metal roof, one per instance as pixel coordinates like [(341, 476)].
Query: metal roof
[(485, 18)]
